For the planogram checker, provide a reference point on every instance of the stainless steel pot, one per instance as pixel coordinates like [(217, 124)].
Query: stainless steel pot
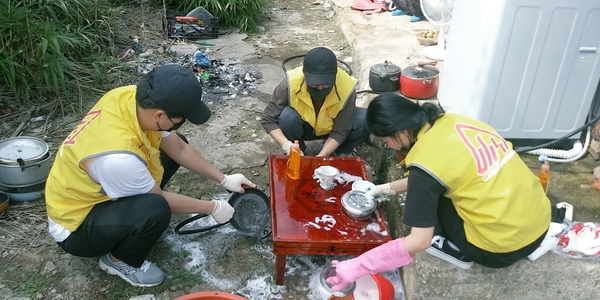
[(27, 148), (356, 205), (24, 174), (23, 161)]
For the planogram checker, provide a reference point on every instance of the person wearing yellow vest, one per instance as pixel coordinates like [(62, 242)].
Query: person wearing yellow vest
[(470, 197), (316, 101), (104, 192)]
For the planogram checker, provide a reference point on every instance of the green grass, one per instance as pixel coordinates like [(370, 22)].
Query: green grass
[(46, 45), (243, 14), (34, 283)]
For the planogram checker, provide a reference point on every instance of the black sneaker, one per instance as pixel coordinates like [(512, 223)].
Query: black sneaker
[(444, 249)]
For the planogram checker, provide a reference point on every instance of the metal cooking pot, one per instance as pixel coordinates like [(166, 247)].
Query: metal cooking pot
[(384, 77), (28, 149), (23, 161), (420, 81), (356, 205), (24, 173)]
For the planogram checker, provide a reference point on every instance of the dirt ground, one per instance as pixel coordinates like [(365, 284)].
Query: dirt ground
[(32, 266)]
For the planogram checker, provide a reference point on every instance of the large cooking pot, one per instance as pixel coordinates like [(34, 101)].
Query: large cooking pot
[(384, 77), (27, 148), (23, 161), (420, 81)]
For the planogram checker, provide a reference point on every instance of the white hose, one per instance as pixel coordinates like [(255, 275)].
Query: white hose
[(564, 156)]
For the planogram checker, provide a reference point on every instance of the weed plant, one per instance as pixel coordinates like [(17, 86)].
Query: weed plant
[(243, 14), (48, 45)]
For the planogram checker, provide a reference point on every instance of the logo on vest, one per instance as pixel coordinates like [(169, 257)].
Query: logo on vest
[(87, 119), (489, 150)]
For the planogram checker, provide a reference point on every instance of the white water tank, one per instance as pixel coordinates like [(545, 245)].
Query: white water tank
[(529, 68)]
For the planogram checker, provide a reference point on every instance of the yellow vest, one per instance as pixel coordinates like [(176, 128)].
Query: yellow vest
[(111, 126), (300, 100), (501, 201)]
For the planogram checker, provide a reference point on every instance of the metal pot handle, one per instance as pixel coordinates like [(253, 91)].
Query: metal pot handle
[(23, 166)]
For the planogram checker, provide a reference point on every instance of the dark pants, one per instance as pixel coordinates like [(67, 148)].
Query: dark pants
[(451, 227), (127, 227), (294, 128)]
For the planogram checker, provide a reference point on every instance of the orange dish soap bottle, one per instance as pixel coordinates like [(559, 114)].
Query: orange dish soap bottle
[(544, 172), (293, 166)]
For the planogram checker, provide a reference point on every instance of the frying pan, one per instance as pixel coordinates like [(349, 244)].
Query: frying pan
[(252, 215)]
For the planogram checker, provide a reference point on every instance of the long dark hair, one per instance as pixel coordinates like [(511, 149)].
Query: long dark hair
[(390, 113)]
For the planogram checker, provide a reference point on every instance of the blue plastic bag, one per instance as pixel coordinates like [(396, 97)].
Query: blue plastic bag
[(202, 59)]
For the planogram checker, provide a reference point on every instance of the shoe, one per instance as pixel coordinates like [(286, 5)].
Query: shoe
[(414, 19), (146, 275), (398, 12), (444, 249)]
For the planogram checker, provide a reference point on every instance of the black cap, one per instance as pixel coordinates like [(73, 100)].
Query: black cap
[(176, 90), (320, 67)]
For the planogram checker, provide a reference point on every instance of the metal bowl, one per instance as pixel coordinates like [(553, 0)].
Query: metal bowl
[(328, 272), (4, 199), (356, 205)]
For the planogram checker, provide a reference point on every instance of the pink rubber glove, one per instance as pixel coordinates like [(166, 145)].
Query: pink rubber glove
[(386, 257)]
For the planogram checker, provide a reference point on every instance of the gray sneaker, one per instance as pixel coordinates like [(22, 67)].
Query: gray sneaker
[(146, 275)]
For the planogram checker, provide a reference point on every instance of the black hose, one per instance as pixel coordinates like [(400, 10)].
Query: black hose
[(368, 91), (586, 125)]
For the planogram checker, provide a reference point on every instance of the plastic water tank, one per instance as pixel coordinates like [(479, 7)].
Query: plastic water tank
[(528, 68)]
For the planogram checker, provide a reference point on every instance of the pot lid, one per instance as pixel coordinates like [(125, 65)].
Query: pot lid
[(385, 68), (357, 203), (25, 148), (420, 72), (252, 210)]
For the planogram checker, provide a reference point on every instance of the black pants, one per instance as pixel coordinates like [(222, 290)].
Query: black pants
[(294, 128), (451, 227), (127, 227)]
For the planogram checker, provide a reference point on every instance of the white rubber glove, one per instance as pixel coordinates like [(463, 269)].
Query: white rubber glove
[(382, 189), (236, 183), (222, 211), (286, 147)]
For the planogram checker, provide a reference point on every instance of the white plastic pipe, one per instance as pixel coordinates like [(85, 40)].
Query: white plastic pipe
[(557, 155)]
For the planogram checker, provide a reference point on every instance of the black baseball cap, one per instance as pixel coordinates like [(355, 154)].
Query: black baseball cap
[(176, 90), (320, 67)]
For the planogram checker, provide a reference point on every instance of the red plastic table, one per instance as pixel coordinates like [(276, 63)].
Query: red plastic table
[(307, 219)]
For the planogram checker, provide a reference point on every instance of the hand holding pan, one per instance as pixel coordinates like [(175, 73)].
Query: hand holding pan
[(252, 214)]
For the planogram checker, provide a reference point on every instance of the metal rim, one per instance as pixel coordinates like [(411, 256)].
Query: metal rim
[(358, 209), (420, 73), (253, 205), (26, 148), (29, 161)]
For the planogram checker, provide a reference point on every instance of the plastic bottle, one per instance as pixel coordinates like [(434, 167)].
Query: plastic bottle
[(293, 166), (544, 173)]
